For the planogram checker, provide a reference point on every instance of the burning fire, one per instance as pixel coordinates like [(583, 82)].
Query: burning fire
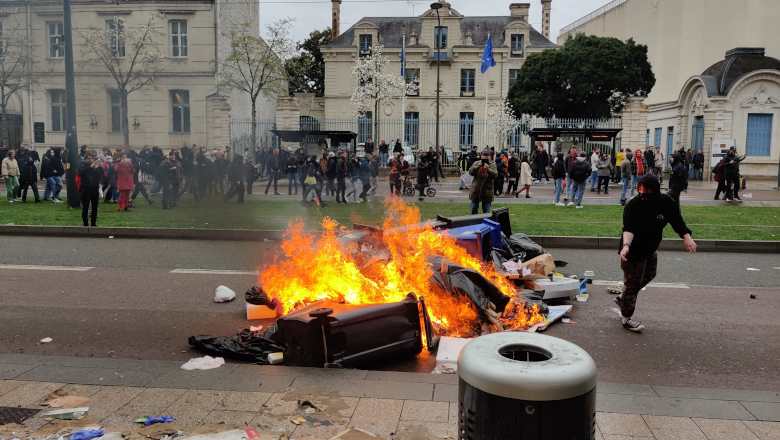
[(320, 267)]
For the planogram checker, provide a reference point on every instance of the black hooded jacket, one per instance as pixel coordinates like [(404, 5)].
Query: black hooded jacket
[(646, 219), (678, 178), (559, 168)]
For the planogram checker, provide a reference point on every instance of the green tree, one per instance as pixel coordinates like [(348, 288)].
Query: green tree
[(307, 70), (590, 77)]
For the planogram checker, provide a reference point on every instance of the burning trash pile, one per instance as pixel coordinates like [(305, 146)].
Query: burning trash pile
[(347, 297)]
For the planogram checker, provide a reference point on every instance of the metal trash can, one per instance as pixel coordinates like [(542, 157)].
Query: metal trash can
[(516, 385)]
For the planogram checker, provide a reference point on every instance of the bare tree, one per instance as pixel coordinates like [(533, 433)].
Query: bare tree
[(255, 65), (131, 56), (17, 69)]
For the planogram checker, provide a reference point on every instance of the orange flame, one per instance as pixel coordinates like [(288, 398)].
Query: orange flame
[(322, 268)]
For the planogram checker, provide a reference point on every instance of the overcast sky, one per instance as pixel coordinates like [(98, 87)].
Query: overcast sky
[(315, 14)]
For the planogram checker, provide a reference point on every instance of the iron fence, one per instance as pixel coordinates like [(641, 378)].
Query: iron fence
[(241, 135)]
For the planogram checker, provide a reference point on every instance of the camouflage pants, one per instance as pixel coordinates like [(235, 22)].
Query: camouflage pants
[(636, 275)]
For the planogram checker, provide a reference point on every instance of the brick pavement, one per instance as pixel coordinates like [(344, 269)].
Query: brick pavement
[(396, 405)]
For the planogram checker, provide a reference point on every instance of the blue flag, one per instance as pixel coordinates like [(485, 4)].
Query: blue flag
[(487, 56), (403, 62)]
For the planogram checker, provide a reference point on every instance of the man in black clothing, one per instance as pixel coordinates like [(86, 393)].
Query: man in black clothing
[(678, 178), (138, 185), (154, 160), (89, 175), (190, 175), (731, 173), (221, 164), (433, 161), (164, 178), (235, 178), (698, 165), (368, 147), (644, 220), (250, 171), (649, 158), (274, 165)]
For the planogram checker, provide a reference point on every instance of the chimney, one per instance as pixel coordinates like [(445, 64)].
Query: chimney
[(546, 18), (336, 19), (519, 10)]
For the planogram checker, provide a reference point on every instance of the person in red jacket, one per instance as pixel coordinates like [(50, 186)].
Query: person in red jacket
[(124, 182)]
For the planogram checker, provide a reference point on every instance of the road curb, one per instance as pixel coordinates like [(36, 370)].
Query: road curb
[(739, 246)]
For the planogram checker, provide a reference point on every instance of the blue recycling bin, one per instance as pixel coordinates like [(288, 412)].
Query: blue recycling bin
[(495, 233), (475, 239)]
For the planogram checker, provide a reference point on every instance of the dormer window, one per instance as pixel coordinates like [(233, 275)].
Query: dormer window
[(440, 34), (517, 45), (366, 44)]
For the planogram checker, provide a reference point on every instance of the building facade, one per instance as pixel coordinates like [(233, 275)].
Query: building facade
[(686, 43), (463, 88), (187, 105)]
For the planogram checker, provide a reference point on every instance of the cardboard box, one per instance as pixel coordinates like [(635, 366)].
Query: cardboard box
[(540, 267), (559, 287)]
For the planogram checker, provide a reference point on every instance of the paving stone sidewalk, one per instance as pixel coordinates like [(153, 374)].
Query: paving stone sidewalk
[(396, 405)]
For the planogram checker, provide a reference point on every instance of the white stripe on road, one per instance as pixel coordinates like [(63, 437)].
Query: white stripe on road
[(659, 285), (24, 267), (214, 272)]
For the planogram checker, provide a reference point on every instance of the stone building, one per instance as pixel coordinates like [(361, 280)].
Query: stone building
[(462, 85), (701, 98), (186, 106)]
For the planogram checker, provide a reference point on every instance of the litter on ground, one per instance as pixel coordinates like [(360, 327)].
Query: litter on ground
[(203, 363), (224, 294)]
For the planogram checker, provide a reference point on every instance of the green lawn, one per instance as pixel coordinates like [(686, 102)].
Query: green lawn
[(725, 222)]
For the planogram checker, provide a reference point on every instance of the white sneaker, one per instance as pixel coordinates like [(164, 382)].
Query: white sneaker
[(570, 204), (559, 204), (579, 206)]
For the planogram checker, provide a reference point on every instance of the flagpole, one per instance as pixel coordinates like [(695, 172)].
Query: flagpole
[(403, 91), (484, 133)]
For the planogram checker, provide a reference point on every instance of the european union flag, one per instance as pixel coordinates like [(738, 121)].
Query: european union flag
[(487, 56)]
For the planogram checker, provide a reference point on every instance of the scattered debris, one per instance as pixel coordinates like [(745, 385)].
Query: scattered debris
[(749, 268), (86, 434), (748, 195), (582, 297), (255, 328), (298, 420), (615, 290), (267, 240), (203, 363), (56, 394), (141, 419), (589, 274), (68, 402), (752, 295), (354, 434), (449, 349), (162, 419), (558, 287), (224, 294), (67, 414), (553, 313), (447, 368), (45, 340), (275, 358)]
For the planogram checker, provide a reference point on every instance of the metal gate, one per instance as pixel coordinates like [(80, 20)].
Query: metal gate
[(241, 135)]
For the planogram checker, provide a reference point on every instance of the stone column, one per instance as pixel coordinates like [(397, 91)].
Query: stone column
[(634, 133), (288, 117)]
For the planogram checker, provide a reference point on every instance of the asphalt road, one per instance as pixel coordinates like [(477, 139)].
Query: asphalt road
[(130, 305)]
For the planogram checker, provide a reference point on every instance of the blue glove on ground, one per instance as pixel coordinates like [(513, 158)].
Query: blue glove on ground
[(162, 419), (86, 435)]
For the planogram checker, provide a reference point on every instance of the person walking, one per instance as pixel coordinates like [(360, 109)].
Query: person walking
[(154, 160), (567, 165), (163, 176), (513, 171), (88, 179), (364, 173), (111, 195), (731, 173), (526, 178), (534, 163), (604, 166), (628, 171), (644, 220), (395, 176), (424, 168), (353, 173), (340, 171), (698, 165), (312, 179), (191, 175), (559, 175), (274, 169), (719, 175), (374, 175), (177, 177), (138, 184), (658, 164), (250, 175), (498, 185), (52, 171), (678, 178), (688, 158), (484, 173), (579, 173), (594, 169), (236, 175), (124, 182), (28, 177)]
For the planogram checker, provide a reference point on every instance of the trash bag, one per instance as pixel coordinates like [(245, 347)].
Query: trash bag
[(460, 280), (246, 344), (257, 296), (224, 294), (521, 243), (532, 297), (500, 256)]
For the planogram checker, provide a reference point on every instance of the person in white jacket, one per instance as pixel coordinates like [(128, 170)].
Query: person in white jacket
[(525, 178), (10, 171), (658, 166), (594, 169)]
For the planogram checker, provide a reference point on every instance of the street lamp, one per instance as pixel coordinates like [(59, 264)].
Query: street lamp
[(436, 6)]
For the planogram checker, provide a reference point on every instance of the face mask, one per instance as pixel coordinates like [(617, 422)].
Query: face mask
[(645, 196)]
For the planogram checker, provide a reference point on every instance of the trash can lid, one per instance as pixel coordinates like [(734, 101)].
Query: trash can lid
[(527, 366)]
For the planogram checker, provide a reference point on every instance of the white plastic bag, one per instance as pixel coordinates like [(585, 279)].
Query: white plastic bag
[(224, 294), (204, 363)]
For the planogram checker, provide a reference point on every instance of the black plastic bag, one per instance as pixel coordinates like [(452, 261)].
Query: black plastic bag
[(246, 344), (460, 280), (257, 296), (521, 243), (532, 297)]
